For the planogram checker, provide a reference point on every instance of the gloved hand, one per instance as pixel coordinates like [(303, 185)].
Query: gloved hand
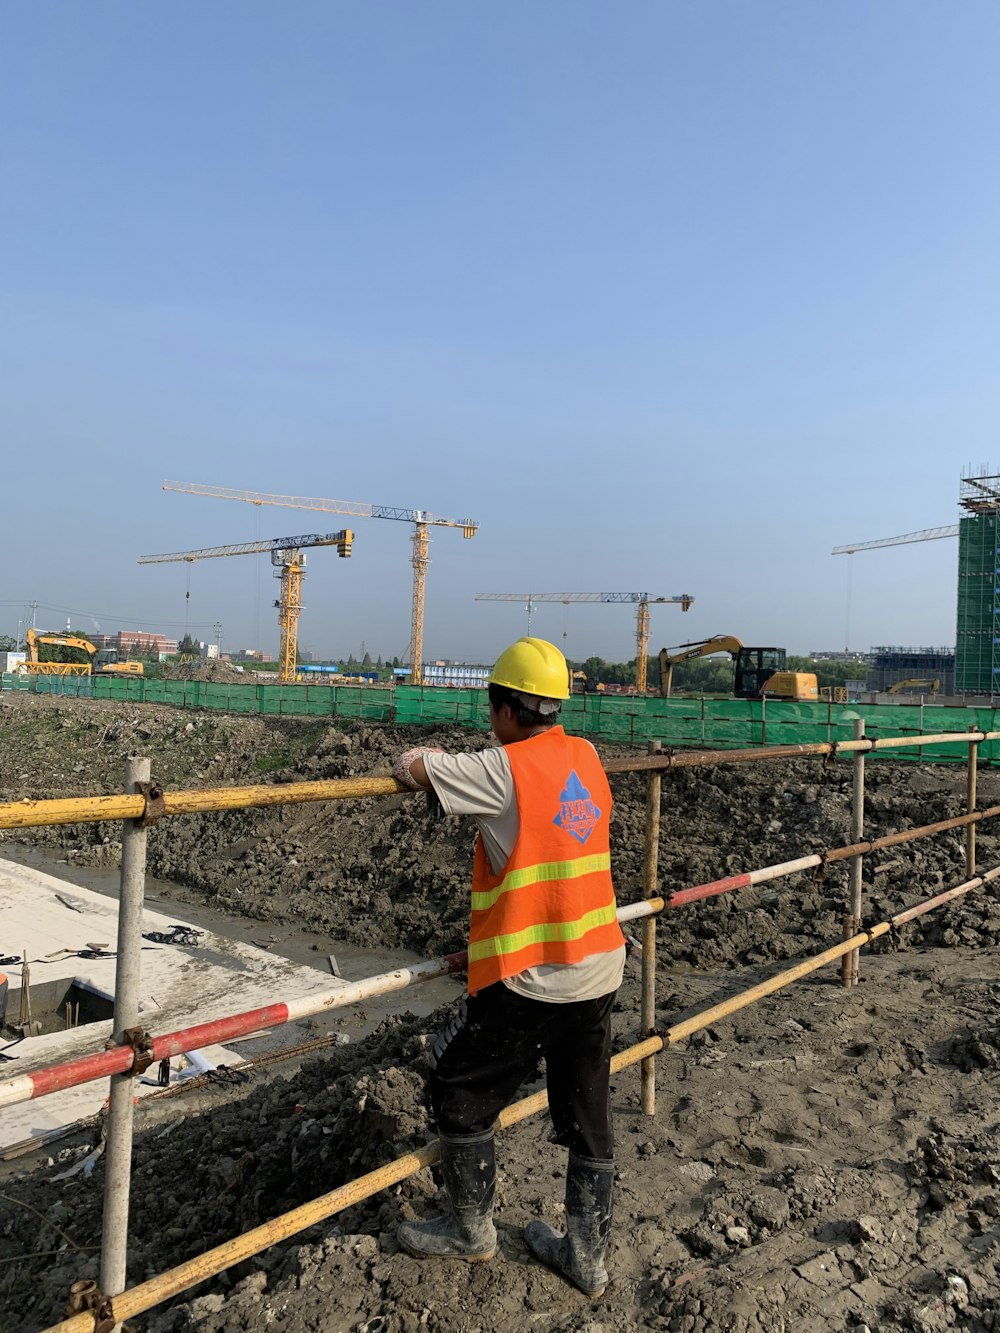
[(401, 768)]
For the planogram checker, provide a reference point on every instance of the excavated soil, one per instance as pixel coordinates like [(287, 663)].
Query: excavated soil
[(825, 1159)]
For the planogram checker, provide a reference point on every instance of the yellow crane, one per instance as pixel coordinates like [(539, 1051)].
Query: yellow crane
[(287, 555), (420, 518), (641, 601)]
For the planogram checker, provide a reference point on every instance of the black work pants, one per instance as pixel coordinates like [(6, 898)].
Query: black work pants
[(494, 1043)]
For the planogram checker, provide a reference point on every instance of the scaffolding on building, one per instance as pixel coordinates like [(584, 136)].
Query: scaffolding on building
[(977, 632)]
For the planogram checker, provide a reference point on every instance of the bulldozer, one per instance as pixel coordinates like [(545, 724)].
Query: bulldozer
[(758, 673), (100, 662)]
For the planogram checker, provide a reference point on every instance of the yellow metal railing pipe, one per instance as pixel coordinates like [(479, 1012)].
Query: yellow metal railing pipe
[(93, 809)]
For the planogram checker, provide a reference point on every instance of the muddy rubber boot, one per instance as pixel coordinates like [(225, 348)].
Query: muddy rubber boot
[(579, 1255), (470, 1180)]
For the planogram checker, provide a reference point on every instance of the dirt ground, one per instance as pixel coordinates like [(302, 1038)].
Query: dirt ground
[(825, 1159)]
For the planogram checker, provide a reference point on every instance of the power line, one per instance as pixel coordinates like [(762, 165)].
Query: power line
[(104, 615)]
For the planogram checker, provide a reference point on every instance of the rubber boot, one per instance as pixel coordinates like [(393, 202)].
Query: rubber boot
[(579, 1255), (470, 1180)]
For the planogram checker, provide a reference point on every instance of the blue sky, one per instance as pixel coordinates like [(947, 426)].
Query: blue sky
[(669, 297)]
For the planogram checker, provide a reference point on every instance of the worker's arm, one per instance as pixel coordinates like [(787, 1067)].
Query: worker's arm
[(409, 767), (476, 783)]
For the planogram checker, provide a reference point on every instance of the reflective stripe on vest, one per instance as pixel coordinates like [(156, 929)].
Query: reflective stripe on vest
[(554, 901), (498, 945), (543, 873)]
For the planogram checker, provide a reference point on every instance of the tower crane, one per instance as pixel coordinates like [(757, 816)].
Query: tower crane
[(924, 535), (420, 518), (641, 601), (287, 555)]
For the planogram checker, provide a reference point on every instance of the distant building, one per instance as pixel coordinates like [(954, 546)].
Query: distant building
[(834, 655), (457, 675), (136, 643), (890, 666)]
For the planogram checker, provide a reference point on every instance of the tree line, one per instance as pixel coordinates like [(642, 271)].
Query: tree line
[(709, 675)]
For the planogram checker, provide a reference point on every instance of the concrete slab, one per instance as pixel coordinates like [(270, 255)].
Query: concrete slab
[(181, 984)]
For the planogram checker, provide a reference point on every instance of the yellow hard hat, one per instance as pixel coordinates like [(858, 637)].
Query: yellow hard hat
[(533, 666)]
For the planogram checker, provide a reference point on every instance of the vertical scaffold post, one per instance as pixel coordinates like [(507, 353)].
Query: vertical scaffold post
[(850, 966), (114, 1233), (970, 806), (648, 1015)]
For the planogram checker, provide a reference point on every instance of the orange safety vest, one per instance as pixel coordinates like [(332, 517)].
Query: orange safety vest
[(553, 902)]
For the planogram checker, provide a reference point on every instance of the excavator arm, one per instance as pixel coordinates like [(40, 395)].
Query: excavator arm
[(35, 665), (914, 685), (719, 643)]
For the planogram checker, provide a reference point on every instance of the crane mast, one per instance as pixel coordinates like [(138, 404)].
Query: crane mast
[(641, 600), (287, 555), (420, 518)]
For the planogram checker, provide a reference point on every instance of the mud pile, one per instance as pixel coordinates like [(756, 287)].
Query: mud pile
[(822, 1159), (206, 668)]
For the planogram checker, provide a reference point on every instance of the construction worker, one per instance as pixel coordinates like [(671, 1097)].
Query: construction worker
[(546, 956)]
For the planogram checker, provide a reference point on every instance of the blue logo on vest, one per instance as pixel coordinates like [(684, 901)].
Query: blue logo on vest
[(577, 812)]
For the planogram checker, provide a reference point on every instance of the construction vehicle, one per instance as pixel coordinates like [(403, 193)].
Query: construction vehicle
[(420, 518), (100, 662), (759, 673), (108, 662), (640, 600), (34, 666), (288, 558), (915, 687)]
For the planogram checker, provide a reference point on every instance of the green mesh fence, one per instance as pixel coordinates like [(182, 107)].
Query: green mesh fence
[(718, 723), (724, 724)]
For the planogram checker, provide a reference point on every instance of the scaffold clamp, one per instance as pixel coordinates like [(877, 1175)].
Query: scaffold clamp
[(155, 805), (86, 1296), (142, 1047)]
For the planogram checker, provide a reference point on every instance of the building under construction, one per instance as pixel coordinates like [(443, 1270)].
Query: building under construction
[(977, 635), (921, 670)]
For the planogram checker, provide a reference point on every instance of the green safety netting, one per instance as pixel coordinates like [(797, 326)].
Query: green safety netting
[(630, 720)]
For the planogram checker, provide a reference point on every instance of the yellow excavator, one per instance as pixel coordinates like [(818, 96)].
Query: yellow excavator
[(915, 687), (100, 662), (760, 673)]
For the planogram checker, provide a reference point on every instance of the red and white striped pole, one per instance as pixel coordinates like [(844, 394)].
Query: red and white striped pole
[(55, 1078)]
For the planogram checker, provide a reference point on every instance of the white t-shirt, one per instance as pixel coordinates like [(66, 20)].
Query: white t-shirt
[(481, 784)]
